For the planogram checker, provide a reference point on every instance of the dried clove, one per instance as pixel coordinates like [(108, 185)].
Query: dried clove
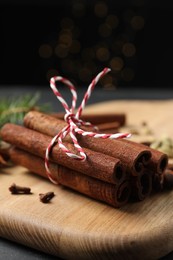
[(15, 189), (46, 197)]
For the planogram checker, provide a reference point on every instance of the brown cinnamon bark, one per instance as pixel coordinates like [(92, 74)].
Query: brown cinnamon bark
[(114, 195), (110, 127), (134, 156), (159, 160), (168, 178), (142, 185), (97, 165), (168, 181), (96, 119)]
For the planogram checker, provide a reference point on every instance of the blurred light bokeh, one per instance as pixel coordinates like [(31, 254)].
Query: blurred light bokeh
[(78, 38)]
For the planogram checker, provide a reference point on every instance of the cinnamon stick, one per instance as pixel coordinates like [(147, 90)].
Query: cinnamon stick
[(142, 185), (97, 165), (158, 182), (109, 127), (168, 178), (96, 119), (134, 156), (159, 160), (114, 195)]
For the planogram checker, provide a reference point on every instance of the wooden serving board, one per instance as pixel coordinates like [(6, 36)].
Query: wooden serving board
[(74, 226)]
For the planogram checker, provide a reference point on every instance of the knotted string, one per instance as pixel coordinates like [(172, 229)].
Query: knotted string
[(74, 122)]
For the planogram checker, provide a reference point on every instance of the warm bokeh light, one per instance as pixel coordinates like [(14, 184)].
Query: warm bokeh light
[(45, 51), (102, 54), (61, 51), (116, 64), (65, 38), (108, 82), (129, 49), (110, 43), (112, 21), (101, 9)]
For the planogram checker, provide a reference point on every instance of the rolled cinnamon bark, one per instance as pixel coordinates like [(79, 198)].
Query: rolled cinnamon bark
[(142, 185), (97, 165), (168, 178), (157, 182), (114, 195), (96, 119), (135, 157), (110, 127), (168, 181), (159, 160)]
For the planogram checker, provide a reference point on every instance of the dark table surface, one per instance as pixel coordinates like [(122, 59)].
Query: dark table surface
[(11, 250)]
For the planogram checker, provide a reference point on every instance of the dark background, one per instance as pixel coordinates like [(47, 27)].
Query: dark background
[(77, 39)]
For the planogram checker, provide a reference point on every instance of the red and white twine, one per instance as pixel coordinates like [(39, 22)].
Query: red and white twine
[(74, 122)]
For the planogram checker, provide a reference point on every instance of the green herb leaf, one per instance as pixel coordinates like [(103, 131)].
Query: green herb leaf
[(13, 110)]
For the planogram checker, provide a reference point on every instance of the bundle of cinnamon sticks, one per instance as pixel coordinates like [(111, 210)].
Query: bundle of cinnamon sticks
[(115, 170)]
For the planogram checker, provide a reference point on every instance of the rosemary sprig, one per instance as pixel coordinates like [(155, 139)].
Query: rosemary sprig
[(13, 110)]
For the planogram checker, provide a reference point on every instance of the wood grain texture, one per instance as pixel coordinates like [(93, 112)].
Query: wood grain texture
[(74, 226)]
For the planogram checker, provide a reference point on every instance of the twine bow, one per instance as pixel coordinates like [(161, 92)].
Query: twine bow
[(74, 122)]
